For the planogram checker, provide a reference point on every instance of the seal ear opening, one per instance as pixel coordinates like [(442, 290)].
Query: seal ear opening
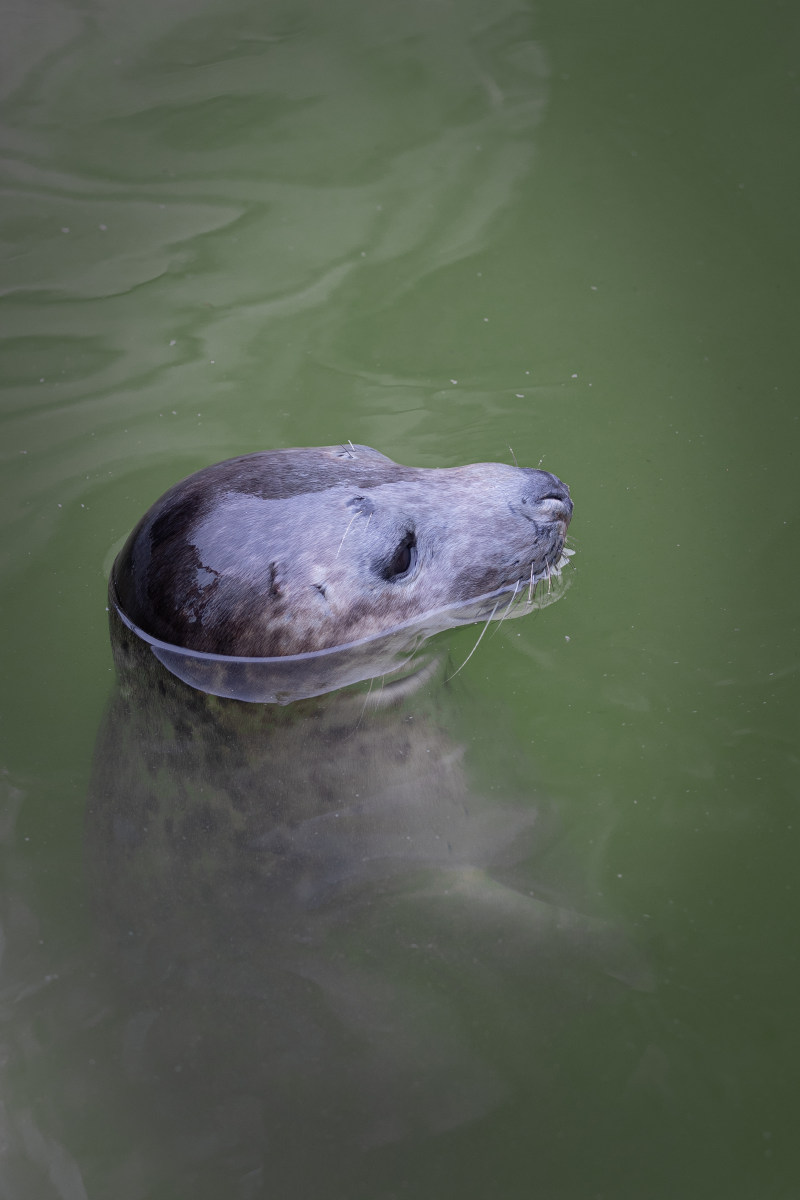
[(401, 560)]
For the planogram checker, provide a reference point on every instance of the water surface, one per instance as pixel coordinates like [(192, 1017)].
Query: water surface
[(453, 232)]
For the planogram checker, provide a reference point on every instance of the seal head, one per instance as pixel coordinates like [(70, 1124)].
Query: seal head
[(289, 551)]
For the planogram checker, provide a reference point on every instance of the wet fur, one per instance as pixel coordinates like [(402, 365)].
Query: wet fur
[(286, 551)]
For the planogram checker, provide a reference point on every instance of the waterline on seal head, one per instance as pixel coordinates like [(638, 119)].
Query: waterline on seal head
[(287, 678)]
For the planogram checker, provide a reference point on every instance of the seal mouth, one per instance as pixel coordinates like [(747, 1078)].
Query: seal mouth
[(290, 677), (551, 570)]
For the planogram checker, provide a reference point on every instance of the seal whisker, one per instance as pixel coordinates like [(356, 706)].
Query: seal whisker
[(475, 647), (365, 705), (507, 608), (344, 535)]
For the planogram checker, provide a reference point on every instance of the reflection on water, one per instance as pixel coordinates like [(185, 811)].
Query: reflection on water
[(301, 676)]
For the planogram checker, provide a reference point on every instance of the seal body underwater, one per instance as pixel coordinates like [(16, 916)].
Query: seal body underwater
[(304, 900)]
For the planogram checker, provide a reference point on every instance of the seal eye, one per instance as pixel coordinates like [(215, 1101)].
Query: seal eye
[(401, 559)]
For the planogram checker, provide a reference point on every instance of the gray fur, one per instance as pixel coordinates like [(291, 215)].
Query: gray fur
[(289, 551)]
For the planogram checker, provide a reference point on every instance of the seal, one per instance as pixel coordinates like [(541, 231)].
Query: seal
[(285, 552), (304, 904)]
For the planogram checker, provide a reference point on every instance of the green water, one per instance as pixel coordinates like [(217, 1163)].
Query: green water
[(444, 230)]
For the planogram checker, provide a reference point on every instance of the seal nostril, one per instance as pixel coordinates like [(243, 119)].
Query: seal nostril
[(545, 500), (543, 488)]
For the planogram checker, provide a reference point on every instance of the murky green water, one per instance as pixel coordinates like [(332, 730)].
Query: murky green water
[(442, 230)]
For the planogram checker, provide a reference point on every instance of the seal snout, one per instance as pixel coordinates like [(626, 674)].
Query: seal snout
[(545, 498)]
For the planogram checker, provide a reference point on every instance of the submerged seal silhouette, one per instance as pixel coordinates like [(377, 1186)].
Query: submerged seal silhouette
[(289, 551)]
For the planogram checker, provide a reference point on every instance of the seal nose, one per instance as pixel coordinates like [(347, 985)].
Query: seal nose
[(545, 497)]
